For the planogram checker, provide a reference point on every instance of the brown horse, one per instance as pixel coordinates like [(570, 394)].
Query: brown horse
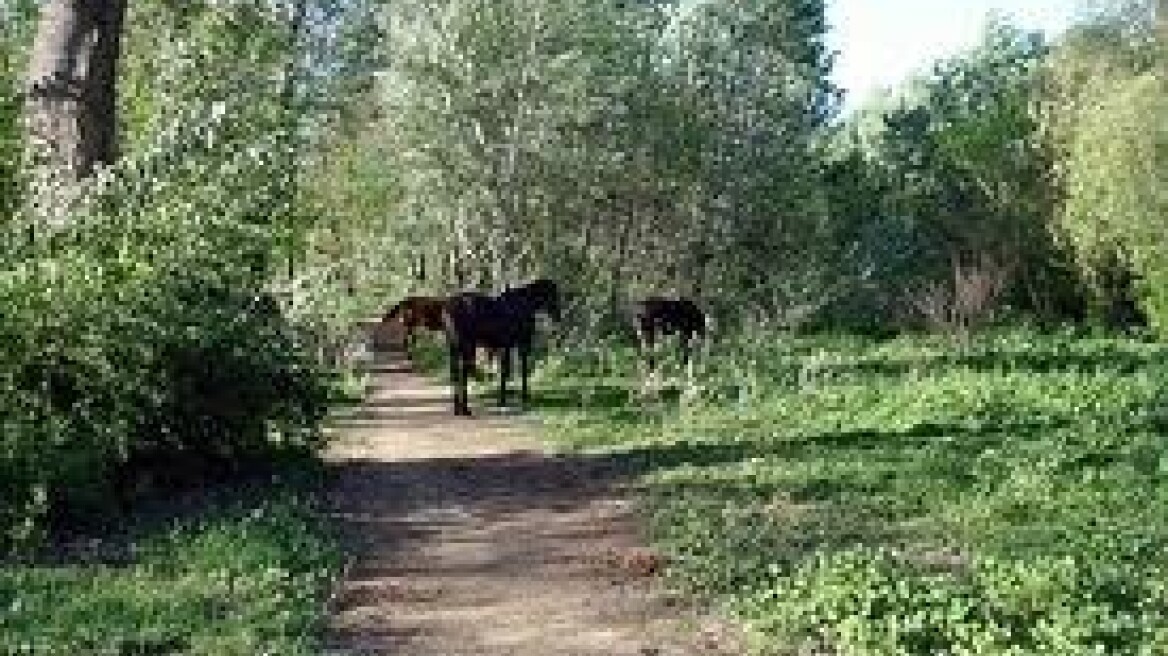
[(499, 323), (418, 312), (655, 316)]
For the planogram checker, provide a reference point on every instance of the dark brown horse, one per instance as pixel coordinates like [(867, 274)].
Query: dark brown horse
[(499, 323), (655, 316), (418, 312)]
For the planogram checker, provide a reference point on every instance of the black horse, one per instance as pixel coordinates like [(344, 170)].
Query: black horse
[(667, 316), (502, 323)]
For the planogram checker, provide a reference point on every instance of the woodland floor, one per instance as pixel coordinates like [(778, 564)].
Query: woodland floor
[(466, 538)]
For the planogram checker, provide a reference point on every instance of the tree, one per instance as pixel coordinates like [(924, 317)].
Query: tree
[(16, 19), (626, 148), (963, 177), (1104, 115), (72, 78)]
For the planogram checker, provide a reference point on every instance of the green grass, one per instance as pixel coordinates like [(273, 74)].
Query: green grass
[(870, 497), (246, 573)]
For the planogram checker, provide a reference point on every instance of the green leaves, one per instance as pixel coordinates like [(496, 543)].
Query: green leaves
[(1115, 177), (102, 360), (1104, 113), (16, 20), (623, 147), (899, 497), (955, 170), (248, 577)]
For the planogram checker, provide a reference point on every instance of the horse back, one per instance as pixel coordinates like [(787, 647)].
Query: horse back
[(474, 318), (670, 315), (460, 310), (430, 312)]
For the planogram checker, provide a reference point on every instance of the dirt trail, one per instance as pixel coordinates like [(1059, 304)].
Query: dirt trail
[(470, 541)]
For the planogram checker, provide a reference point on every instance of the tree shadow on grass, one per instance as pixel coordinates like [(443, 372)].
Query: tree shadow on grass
[(603, 397), (1037, 362), (525, 476), (388, 508), (175, 490)]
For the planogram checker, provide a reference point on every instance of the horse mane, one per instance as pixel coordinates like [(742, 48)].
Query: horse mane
[(532, 293), (394, 311)]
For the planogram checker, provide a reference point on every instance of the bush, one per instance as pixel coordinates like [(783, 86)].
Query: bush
[(867, 497), (247, 573), (103, 361), (1115, 204)]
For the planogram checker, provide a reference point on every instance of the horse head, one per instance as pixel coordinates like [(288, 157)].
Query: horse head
[(545, 295), (394, 312)]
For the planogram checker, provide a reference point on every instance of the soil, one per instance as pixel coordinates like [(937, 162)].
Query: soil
[(466, 538)]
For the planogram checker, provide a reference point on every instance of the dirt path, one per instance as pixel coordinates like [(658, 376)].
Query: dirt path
[(469, 541)]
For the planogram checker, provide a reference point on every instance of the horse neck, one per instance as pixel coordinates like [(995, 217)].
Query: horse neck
[(533, 303)]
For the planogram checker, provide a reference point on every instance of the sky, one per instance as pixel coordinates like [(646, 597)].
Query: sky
[(881, 42)]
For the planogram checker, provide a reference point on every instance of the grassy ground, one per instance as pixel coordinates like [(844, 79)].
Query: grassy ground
[(240, 568), (242, 571), (857, 497)]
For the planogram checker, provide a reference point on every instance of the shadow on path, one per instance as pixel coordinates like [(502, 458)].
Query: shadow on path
[(468, 540)]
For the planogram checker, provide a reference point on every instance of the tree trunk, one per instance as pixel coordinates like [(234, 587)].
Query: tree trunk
[(71, 84), (288, 101)]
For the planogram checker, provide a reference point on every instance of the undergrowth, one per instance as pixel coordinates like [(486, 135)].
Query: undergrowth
[(246, 570), (860, 497)]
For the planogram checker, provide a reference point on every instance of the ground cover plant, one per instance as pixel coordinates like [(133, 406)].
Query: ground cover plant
[(244, 569), (854, 496)]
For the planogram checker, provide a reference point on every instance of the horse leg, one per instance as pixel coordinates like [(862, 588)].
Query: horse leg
[(648, 340), (504, 356), (524, 358), (409, 331), (454, 354), (458, 382), (468, 357)]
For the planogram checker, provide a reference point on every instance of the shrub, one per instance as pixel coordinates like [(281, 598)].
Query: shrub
[(103, 361), (968, 300)]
